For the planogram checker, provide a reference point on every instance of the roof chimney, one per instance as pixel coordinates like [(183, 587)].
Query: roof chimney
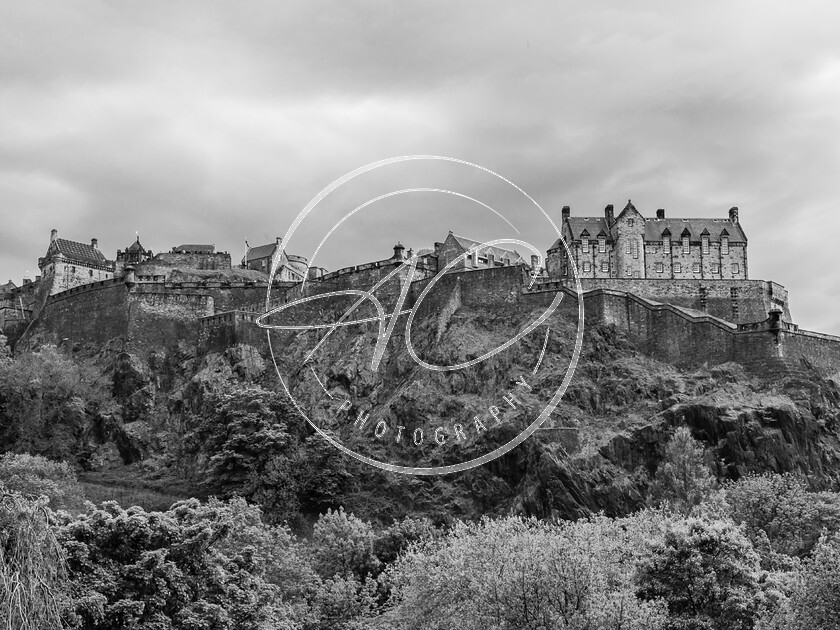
[(535, 261), (278, 239), (733, 214), (94, 243), (609, 214), (53, 235), (398, 251), (660, 214), (565, 212)]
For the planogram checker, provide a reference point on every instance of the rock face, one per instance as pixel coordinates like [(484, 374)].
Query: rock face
[(597, 452)]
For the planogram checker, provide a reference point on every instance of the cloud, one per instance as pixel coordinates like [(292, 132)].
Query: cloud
[(215, 121)]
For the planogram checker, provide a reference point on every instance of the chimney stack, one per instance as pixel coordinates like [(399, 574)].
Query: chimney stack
[(278, 240), (733, 214), (94, 243), (609, 214), (53, 235), (437, 248), (535, 261), (660, 214), (398, 251), (566, 212)]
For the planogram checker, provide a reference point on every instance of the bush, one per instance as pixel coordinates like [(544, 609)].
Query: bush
[(132, 568), (35, 476)]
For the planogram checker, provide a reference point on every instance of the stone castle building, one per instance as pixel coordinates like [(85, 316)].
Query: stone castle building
[(633, 246), (291, 267), (483, 258), (68, 264)]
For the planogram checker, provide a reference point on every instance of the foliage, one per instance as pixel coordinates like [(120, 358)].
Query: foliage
[(44, 399), (683, 479), (244, 436), (342, 545), (32, 573), (778, 511), (707, 572), (399, 536), (815, 601), (37, 476), (164, 570), (515, 573)]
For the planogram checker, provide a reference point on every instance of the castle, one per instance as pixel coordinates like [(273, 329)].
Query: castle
[(680, 287)]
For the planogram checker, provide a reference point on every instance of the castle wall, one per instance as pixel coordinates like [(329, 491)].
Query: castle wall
[(738, 301), (218, 260), (160, 317)]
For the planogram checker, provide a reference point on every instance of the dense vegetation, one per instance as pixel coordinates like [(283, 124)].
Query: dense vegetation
[(268, 545)]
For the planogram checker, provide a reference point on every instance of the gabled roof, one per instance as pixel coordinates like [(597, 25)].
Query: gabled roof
[(5, 288), (714, 227), (135, 247), (195, 249), (579, 225), (498, 252), (261, 251), (79, 252)]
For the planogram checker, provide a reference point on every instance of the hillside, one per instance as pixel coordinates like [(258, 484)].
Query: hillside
[(172, 408)]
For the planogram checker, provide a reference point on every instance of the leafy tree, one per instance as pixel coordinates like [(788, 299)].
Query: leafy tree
[(778, 511), (131, 568), (342, 544), (707, 572), (45, 398), (244, 437), (514, 573), (32, 572), (682, 479), (815, 601), (36, 476)]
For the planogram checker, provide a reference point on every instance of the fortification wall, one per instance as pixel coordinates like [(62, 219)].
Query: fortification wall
[(737, 301), (218, 260), (158, 319), (90, 313)]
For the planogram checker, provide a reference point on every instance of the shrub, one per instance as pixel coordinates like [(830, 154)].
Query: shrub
[(37, 476)]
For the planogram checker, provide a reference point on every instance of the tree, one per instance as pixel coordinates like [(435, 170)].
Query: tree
[(342, 544), (514, 573), (707, 572), (682, 479)]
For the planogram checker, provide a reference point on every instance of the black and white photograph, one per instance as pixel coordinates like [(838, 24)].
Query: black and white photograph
[(427, 315)]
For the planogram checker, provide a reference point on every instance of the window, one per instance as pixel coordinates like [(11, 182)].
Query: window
[(724, 244), (635, 273), (666, 243), (677, 268), (715, 268), (635, 249), (587, 267), (628, 248), (602, 244), (565, 270), (660, 268), (685, 244), (605, 266), (695, 267), (90, 272), (629, 222), (735, 268), (585, 245), (705, 245), (651, 249), (482, 260)]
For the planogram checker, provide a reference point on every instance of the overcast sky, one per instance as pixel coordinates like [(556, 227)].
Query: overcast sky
[(216, 122)]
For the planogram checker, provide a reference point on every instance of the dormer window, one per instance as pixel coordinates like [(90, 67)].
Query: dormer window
[(724, 244), (705, 245), (585, 246), (685, 244), (602, 244)]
